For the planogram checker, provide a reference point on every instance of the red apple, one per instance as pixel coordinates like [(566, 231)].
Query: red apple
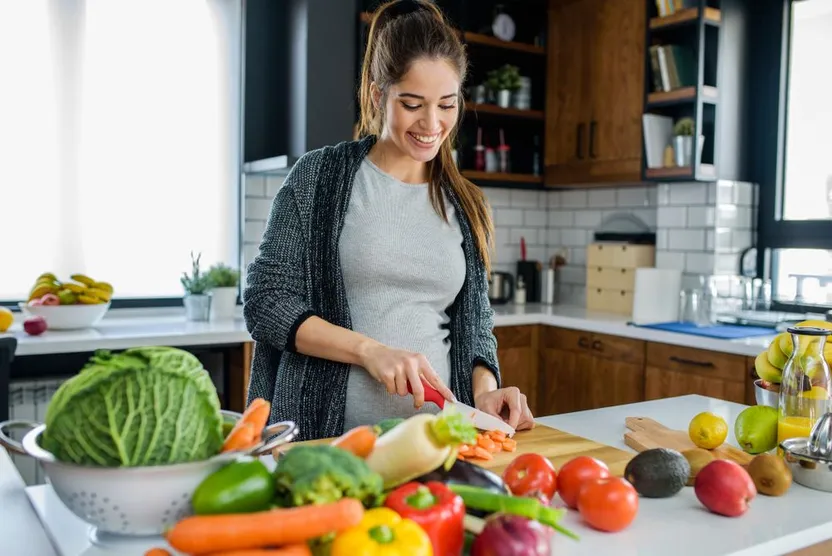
[(50, 299), (34, 325), (725, 488)]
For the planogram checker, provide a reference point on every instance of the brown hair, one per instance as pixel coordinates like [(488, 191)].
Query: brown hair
[(401, 32)]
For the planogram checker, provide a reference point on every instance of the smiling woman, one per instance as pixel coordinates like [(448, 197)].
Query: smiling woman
[(372, 274)]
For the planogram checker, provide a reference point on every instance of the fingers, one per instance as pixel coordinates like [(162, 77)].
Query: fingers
[(516, 402), (527, 419), (412, 376), (433, 379)]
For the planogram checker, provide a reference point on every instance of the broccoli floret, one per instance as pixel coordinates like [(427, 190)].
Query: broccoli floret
[(323, 474)]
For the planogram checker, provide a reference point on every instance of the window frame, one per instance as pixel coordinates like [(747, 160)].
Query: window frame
[(239, 196), (769, 142)]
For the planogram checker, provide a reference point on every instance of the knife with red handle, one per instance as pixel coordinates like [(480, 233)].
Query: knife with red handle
[(481, 419)]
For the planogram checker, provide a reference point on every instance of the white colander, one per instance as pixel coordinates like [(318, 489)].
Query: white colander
[(132, 501)]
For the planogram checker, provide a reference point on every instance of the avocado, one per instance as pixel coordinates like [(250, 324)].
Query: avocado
[(658, 473)]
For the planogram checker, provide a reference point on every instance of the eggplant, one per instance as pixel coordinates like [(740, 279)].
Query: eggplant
[(466, 473)]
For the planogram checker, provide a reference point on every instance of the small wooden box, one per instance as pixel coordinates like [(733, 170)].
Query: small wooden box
[(609, 301), (620, 255), (611, 278)]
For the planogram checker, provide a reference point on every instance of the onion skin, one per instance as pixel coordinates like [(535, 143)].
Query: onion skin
[(509, 535)]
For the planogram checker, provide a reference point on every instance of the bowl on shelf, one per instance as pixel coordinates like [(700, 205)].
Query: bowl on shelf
[(764, 396), (67, 317), (132, 501)]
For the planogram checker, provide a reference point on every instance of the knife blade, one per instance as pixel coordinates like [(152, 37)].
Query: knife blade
[(480, 419)]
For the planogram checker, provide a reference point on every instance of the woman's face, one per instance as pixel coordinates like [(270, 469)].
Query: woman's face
[(421, 109)]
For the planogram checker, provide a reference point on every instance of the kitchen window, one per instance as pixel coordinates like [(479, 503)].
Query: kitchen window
[(119, 141), (796, 220)]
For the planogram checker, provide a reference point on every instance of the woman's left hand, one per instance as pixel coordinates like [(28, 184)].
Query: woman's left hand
[(509, 404)]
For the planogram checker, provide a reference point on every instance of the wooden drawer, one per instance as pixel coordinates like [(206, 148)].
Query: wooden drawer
[(513, 336), (616, 348), (566, 339), (620, 255), (700, 362), (611, 278), (609, 301)]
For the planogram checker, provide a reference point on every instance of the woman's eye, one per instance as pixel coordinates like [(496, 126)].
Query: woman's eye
[(447, 106), (410, 107)]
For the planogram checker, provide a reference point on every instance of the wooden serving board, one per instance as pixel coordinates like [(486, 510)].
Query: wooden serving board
[(645, 434), (556, 445)]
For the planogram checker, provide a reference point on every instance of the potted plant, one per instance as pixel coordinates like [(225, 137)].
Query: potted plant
[(223, 281), (197, 301), (503, 81), (683, 141)]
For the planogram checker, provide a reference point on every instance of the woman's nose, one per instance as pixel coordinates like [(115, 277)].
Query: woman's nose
[(430, 120)]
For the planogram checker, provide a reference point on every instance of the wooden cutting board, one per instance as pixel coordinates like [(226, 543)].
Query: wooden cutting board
[(645, 434), (556, 445)]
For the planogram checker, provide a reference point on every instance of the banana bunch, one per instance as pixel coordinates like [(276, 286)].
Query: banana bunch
[(48, 290)]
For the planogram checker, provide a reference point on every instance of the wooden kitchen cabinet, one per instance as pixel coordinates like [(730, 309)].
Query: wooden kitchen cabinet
[(583, 370), (595, 92), (518, 352), (678, 371)]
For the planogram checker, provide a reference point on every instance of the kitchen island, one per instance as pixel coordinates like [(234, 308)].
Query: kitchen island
[(679, 525)]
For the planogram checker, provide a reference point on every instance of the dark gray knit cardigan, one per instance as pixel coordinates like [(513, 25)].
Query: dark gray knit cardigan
[(297, 274)]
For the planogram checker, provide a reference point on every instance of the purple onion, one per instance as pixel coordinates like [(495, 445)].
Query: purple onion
[(511, 535)]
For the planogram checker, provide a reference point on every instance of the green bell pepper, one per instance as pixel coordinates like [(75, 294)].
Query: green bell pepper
[(240, 487)]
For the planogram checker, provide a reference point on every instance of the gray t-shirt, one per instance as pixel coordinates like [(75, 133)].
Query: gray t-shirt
[(402, 266)]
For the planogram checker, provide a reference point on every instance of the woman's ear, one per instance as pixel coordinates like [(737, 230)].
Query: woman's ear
[(375, 93)]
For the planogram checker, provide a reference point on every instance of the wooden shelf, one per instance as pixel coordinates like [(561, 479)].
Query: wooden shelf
[(499, 111), (685, 94), (712, 17), (486, 40), (498, 176), (706, 171)]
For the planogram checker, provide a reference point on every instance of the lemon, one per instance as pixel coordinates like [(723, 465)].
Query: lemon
[(6, 319), (817, 392), (708, 430)]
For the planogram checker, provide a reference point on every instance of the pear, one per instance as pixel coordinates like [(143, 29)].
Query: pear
[(775, 355), (766, 370)]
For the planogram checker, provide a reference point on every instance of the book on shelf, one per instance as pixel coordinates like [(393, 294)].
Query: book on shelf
[(672, 67), (670, 7)]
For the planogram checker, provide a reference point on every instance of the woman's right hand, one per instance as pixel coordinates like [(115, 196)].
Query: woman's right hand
[(395, 368)]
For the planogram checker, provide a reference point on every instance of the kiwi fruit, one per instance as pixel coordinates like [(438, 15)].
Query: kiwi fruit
[(770, 474), (697, 458)]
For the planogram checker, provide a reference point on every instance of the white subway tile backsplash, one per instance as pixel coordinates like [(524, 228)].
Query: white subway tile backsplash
[(250, 251), (699, 263), (553, 198), (636, 197), (740, 239), (502, 235), (577, 255), (508, 217), (525, 199), (535, 217), (744, 215), (725, 192), (573, 238), (722, 238), (538, 253), (498, 197), (258, 209), (573, 274), (273, 185), (587, 218), (709, 240), (576, 198), (561, 218), (727, 216), (671, 217), (689, 194), (670, 259), (602, 198), (663, 194), (661, 239), (744, 193), (648, 216), (686, 240), (530, 234), (701, 217), (726, 263), (255, 186), (553, 238), (712, 193), (254, 231)]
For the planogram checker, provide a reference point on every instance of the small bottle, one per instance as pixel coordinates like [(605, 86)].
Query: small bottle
[(491, 164), (536, 157), (520, 292)]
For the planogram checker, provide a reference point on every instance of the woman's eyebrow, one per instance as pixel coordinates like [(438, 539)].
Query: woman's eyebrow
[(420, 97)]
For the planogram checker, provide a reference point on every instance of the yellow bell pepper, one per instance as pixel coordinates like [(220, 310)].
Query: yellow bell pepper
[(383, 532)]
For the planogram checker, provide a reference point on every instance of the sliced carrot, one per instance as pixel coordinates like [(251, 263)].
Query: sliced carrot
[(497, 436), (359, 441), (486, 443), (208, 534), (498, 447), (292, 550), (157, 552), (240, 438), (465, 449), (482, 453), (509, 444)]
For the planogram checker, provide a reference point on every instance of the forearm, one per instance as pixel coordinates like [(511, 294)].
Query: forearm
[(318, 338), (483, 380)]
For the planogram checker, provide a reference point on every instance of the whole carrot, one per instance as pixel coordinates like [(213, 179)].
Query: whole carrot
[(240, 438), (292, 550), (207, 534), (359, 440)]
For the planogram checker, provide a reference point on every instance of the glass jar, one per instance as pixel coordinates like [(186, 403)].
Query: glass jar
[(805, 386)]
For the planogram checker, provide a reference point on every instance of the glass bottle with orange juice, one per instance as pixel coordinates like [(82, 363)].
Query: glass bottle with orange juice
[(805, 386)]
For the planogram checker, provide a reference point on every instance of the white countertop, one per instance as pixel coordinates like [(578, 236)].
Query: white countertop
[(122, 329), (679, 525)]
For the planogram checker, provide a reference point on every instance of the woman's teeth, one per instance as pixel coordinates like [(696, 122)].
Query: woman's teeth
[(425, 139)]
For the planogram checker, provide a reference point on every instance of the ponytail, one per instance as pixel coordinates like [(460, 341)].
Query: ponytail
[(401, 32)]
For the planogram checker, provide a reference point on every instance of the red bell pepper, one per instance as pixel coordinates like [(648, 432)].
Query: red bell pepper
[(437, 509)]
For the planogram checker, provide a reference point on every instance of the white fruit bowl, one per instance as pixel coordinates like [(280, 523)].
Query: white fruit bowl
[(67, 317)]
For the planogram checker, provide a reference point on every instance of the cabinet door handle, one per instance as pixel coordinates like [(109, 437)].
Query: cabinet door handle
[(579, 151), (583, 342), (592, 125), (598, 346), (706, 364)]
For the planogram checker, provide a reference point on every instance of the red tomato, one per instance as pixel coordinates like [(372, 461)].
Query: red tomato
[(574, 473), (531, 475), (608, 504)]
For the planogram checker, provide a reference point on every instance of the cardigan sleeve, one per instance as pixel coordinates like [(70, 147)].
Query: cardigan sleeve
[(485, 343), (275, 297)]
